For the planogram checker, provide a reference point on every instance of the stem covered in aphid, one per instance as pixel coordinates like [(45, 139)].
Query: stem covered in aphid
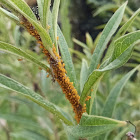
[(59, 73)]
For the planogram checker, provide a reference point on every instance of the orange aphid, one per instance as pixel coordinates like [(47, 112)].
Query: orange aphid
[(41, 47), (98, 66), (48, 70), (47, 75), (20, 59), (91, 90), (88, 97), (40, 68), (57, 38)]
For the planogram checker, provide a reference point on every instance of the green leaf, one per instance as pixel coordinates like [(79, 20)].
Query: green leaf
[(28, 135), (80, 44), (92, 105), (83, 74), (77, 53), (9, 15), (9, 6), (91, 126), (125, 27), (21, 5), (40, 4), (66, 26), (46, 9), (110, 103), (89, 40), (47, 42), (54, 19), (20, 119), (124, 42), (121, 31), (122, 52), (105, 8), (97, 74), (64, 49), (107, 33), (8, 83), (17, 51)]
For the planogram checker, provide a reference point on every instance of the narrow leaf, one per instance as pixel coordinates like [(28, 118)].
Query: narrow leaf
[(97, 74), (125, 27), (64, 49), (22, 6), (122, 52), (46, 9), (121, 32), (8, 83), (89, 40), (107, 33), (47, 42), (93, 120), (40, 4), (124, 42), (81, 44), (91, 126), (28, 135), (20, 119), (17, 51), (54, 19), (105, 8), (83, 74), (92, 102), (110, 103), (9, 15)]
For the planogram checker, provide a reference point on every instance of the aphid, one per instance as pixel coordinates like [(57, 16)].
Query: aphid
[(20, 59), (57, 38), (98, 66), (48, 75), (130, 135)]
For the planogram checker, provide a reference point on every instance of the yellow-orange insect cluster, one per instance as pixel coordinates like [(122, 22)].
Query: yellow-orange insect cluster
[(59, 73), (88, 97)]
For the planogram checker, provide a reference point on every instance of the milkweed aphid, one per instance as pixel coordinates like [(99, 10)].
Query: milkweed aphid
[(20, 59), (91, 90), (88, 97), (58, 73), (57, 38), (98, 66), (47, 75), (40, 68)]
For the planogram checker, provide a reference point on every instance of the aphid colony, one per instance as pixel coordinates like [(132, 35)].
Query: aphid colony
[(59, 73)]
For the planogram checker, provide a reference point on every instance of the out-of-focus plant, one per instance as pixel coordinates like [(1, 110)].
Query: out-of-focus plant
[(52, 42), (65, 21)]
